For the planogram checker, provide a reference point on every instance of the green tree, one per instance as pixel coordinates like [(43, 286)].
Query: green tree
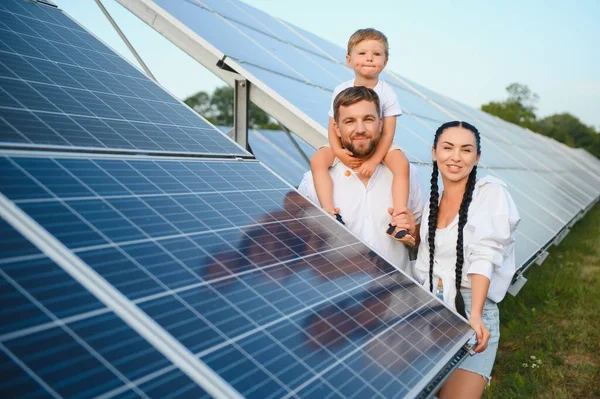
[(568, 129), (218, 108), (519, 108)]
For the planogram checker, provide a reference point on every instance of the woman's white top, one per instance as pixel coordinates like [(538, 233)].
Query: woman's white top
[(488, 243)]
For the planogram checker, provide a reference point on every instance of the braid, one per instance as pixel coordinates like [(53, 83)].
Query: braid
[(433, 213), (462, 220)]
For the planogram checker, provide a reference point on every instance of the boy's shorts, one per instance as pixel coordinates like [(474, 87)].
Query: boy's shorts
[(392, 148)]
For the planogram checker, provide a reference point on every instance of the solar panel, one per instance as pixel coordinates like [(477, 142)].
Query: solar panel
[(58, 340), (293, 72), (267, 290), (62, 88)]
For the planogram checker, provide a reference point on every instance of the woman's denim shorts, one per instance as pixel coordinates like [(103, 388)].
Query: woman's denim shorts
[(482, 363)]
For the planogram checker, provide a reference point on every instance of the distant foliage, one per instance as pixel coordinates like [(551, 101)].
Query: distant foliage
[(519, 108), (218, 109)]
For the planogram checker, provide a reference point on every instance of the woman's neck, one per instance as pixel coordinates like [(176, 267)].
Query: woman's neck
[(454, 191)]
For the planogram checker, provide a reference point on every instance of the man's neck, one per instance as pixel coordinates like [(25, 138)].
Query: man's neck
[(367, 82)]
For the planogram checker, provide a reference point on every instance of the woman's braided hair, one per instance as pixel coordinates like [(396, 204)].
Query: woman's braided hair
[(462, 213)]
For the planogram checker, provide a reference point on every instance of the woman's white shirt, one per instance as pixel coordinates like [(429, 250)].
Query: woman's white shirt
[(488, 243)]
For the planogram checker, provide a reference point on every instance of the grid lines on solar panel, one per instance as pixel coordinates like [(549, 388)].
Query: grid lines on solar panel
[(59, 86), (57, 340), (267, 290)]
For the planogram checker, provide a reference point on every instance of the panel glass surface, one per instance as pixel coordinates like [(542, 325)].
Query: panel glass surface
[(61, 87), (57, 340), (270, 292)]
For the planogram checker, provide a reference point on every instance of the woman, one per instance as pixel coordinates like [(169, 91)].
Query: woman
[(466, 255)]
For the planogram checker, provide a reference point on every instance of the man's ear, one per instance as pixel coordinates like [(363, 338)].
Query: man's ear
[(337, 129)]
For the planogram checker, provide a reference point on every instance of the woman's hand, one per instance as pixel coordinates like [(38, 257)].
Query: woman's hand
[(481, 331)]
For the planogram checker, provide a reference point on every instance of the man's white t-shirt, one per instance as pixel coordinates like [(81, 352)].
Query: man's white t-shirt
[(387, 98), (364, 209)]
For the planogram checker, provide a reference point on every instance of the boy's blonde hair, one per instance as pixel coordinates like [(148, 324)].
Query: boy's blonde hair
[(368, 34)]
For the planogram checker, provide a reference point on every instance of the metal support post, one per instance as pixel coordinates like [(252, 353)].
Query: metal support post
[(240, 112)]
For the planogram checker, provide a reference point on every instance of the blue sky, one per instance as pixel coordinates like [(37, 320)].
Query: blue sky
[(468, 50)]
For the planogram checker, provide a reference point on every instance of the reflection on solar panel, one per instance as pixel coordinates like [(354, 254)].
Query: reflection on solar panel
[(151, 275), (59, 86), (293, 72)]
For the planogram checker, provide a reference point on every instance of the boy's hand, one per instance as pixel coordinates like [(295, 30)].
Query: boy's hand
[(347, 159), (367, 168)]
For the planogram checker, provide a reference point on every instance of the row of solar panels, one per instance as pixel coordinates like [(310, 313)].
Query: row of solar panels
[(145, 254), (292, 73)]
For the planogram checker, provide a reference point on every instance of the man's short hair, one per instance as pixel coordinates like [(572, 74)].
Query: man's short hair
[(368, 34), (352, 95)]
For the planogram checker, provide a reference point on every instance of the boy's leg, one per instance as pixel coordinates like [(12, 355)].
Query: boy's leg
[(398, 165), (319, 165)]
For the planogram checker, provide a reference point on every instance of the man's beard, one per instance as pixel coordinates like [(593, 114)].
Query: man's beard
[(360, 153)]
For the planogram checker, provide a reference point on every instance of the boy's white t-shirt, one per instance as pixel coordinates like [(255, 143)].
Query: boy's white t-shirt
[(387, 98)]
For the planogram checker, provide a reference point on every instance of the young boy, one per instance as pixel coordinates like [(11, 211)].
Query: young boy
[(368, 52)]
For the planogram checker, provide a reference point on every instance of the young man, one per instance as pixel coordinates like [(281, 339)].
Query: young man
[(366, 201)]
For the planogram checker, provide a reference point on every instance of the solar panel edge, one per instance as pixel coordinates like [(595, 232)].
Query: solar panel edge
[(151, 331)]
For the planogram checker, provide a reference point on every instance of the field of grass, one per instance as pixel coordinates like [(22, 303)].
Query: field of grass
[(550, 332)]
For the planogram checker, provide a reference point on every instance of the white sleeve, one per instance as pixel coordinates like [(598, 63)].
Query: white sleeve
[(307, 188), (415, 194), (336, 91), (492, 227), (390, 106)]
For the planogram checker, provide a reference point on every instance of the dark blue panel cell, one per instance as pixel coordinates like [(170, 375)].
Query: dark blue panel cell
[(17, 312), (21, 68), (69, 130), (121, 107), (7, 100), (19, 45), (82, 76), (94, 177), (16, 24), (31, 127), (17, 185), (16, 383), (54, 178), (93, 103), (61, 99), (12, 243), (107, 220), (26, 95), (173, 384), (122, 272), (51, 287), (55, 74), (63, 224)]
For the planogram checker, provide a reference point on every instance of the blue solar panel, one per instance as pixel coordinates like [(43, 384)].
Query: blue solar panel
[(272, 294), (61, 87), (57, 340)]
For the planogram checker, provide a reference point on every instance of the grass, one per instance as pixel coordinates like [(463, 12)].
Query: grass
[(556, 318)]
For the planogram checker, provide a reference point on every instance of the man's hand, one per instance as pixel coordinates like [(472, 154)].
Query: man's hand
[(403, 221), (347, 159), (367, 168)]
